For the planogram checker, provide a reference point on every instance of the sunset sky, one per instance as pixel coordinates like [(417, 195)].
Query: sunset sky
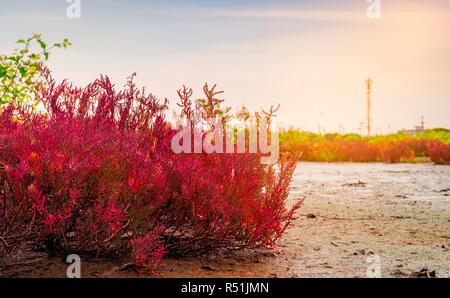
[(311, 56)]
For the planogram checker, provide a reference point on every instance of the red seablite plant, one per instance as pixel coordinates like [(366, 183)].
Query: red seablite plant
[(440, 153), (96, 173), (147, 251), (361, 150), (395, 151)]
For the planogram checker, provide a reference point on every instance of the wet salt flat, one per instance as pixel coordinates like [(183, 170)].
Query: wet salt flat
[(400, 212), (426, 182)]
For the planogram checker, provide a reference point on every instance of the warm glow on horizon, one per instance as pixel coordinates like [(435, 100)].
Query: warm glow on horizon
[(313, 60)]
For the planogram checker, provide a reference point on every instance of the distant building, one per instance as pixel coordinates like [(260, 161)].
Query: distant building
[(414, 132), (418, 129)]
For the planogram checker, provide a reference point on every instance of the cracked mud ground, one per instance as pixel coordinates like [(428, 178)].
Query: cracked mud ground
[(352, 211)]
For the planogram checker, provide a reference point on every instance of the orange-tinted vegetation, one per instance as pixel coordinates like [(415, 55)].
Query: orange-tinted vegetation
[(433, 144)]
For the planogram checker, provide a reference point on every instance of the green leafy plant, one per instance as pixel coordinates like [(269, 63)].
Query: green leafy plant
[(21, 71)]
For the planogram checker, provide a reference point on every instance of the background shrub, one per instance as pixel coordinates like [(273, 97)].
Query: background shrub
[(395, 148), (440, 153)]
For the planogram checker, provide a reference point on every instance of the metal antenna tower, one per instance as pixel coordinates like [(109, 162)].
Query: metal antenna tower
[(369, 82)]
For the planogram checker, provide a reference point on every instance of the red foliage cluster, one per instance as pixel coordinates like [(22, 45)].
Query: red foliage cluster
[(394, 151), (440, 153), (96, 173), (147, 251)]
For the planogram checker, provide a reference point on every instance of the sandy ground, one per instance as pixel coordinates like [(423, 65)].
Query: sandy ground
[(353, 214)]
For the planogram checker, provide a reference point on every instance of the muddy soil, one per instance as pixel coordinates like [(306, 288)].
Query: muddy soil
[(353, 214)]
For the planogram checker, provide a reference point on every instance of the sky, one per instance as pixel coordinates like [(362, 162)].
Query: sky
[(311, 56)]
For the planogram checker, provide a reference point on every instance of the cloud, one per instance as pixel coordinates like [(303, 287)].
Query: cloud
[(318, 15)]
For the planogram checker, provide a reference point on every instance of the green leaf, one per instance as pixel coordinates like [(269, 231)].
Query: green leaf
[(23, 71), (43, 45), (46, 55), (21, 41)]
